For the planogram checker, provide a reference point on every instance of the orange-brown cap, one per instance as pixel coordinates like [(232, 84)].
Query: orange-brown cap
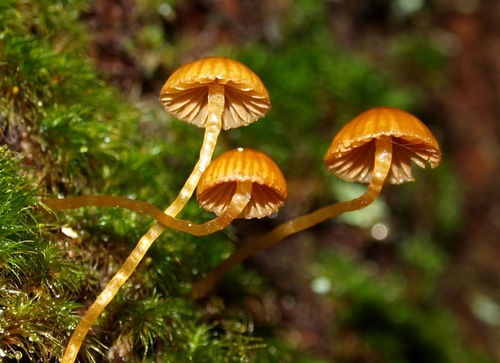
[(185, 94), (351, 154), (218, 183)]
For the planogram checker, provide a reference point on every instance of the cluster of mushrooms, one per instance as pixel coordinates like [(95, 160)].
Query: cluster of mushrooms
[(215, 93)]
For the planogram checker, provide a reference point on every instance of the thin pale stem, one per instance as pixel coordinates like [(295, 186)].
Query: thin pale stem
[(383, 158), (212, 130), (238, 202), (165, 220)]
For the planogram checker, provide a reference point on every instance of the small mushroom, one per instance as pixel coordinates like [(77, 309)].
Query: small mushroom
[(214, 93), (376, 147), (242, 183), (242, 166)]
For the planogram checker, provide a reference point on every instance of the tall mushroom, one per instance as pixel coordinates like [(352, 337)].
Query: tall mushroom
[(376, 147), (215, 93)]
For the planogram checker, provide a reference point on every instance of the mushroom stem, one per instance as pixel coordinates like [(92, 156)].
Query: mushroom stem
[(382, 165), (212, 130), (239, 200)]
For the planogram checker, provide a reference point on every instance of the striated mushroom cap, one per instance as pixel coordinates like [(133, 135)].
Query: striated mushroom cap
[(185, 93), (218, 183), (351, 154)]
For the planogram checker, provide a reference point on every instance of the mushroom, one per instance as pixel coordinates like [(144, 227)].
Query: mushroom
[(351, 154), (214, 93), (242, 166), (242, 183), (376, 147)]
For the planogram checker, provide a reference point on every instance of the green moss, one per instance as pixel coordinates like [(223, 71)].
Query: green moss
[(36, 281), (74, 134)]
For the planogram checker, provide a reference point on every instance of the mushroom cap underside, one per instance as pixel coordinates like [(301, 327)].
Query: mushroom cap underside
[(218, 183), (351, 154), (185, 93)]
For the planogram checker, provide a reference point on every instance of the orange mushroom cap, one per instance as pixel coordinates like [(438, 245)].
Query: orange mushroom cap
[(185, 93), (351, 154), (218, 183)]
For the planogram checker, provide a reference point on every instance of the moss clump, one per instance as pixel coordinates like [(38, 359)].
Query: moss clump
[(54, 108), (36, 281), (65, 132)]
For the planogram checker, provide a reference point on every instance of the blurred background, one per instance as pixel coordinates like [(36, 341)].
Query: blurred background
[(416, 276)]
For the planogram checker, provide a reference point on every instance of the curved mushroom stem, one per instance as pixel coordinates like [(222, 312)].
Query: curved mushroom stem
[(239, 200), (383, 159)]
